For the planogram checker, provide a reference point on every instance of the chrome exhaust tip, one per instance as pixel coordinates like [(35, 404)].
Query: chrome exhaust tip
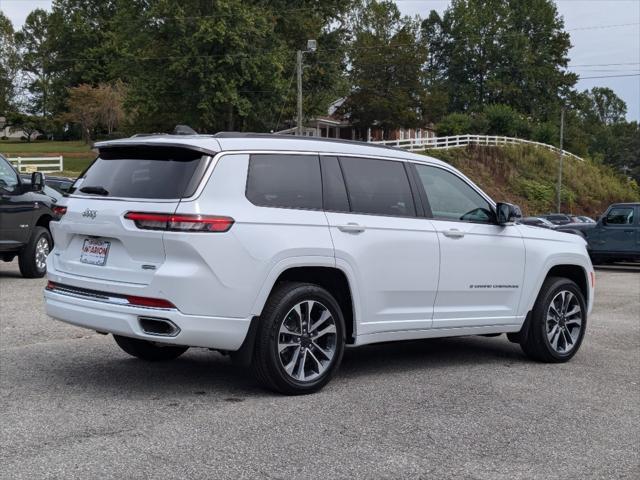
[(159, 327)]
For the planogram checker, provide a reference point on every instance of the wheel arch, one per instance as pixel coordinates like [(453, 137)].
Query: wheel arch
[(325, 274), (573, 271), (44, 221)]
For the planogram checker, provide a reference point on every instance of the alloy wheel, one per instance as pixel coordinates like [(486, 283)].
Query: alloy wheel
[(564, 321), (307, 341), (42, 251)]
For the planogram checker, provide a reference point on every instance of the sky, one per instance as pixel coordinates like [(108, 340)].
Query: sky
[(605, 38)]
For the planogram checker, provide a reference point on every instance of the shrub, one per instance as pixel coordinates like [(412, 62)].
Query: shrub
[(504, 120), (454, 124)]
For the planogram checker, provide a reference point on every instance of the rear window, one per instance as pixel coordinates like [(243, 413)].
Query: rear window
[(149, 172), (288, 181)]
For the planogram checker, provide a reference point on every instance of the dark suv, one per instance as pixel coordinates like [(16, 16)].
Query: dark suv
[(615, 236), (25, 213)]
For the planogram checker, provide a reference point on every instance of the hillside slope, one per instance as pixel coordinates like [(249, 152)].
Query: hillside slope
[(527, 176)]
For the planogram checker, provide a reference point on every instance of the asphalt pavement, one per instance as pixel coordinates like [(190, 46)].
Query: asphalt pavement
[(73, 405)]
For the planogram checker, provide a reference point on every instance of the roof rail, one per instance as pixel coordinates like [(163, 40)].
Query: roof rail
[(302, 138)]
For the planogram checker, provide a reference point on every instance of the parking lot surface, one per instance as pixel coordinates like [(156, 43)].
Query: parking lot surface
[(73, 405)]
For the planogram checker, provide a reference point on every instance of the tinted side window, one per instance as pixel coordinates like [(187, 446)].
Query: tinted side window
[(377, 186), (289, 181), (334, 193), (620, 216), (451, 198), (8, 176)]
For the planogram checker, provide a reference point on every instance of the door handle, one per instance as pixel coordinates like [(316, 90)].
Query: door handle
[(453, 233), (352, 228)]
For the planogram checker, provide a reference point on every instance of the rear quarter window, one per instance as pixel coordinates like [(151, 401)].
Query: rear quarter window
[(145, 172)]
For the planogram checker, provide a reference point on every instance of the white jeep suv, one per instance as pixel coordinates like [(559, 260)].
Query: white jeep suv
[(282, 250)]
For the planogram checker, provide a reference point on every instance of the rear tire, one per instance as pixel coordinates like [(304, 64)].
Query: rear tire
[(300, 339), (32, 258), (149, 351), (557, 323)]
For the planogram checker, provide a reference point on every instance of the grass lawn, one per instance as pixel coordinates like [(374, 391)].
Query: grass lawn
[(77, 155), (42, 146)]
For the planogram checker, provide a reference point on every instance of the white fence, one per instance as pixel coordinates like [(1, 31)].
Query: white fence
[(416, 144), (38, 164)]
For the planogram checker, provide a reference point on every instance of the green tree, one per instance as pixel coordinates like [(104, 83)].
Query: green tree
[(601, 105), (9, 67), (387, 59), (501, 51), (38, 60)]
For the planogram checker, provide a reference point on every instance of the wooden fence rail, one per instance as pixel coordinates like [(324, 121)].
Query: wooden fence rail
[(38, 164), (417, 144)]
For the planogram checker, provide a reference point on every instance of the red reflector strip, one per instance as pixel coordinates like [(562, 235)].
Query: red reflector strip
[(132, 300), (593, 279), (149, 302), (180, 223)]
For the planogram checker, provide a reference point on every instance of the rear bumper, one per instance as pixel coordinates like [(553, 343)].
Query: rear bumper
[(195, 331)]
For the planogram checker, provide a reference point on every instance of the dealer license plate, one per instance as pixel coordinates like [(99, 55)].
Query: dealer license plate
[(95, 251)]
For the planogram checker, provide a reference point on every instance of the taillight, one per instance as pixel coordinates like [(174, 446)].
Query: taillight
[(59, 210), (180, 223)]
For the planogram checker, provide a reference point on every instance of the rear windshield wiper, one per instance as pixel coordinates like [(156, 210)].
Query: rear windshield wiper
[(97, 190)]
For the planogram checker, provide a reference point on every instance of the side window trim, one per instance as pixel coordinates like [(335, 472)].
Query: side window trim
[(324, 159), (424, 193), (426, 207), (417, 200)]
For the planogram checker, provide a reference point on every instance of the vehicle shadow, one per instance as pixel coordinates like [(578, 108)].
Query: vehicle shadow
[(619, 267), (10, 274), (200, 372)]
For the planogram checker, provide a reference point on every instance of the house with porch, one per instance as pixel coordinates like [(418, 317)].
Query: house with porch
[(335, 125)]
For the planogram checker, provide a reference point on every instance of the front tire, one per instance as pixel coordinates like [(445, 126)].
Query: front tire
[(557, 323), (149, 351), (300, 339), (33, 257)]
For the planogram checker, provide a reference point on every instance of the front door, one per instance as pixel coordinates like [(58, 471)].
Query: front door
[(16, 208), (376, 231), (481, 263), (616, 231)]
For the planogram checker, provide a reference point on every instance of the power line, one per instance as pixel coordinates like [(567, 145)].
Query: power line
[(612, 76), (598, 27), (603, 64)]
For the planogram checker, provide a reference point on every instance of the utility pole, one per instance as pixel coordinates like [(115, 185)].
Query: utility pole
[(312, 46), (561, 159), (299, 72)]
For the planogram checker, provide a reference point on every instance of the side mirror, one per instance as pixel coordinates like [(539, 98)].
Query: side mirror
[(603, 220), (37, 181), (507, 213)]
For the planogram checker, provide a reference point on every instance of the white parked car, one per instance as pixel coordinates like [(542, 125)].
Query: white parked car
[(282, 250)]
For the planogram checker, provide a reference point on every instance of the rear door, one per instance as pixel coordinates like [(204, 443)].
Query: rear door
[(379, 232), (94, 239)]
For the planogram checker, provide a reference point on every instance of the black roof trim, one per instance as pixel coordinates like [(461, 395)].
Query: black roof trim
[(295, 137)]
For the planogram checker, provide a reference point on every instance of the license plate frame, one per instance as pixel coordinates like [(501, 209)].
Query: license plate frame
[(95, 251)]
